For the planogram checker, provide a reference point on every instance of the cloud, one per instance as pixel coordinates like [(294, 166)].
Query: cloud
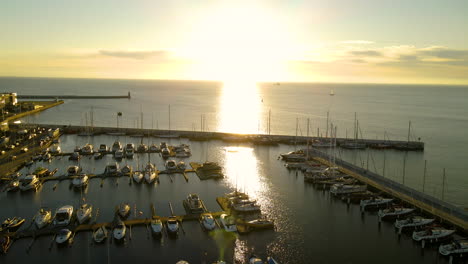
[(139, 55), (366, 53), (359, 42), (444, 53)]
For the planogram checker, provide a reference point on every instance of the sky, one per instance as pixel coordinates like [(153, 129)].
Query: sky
[(364, 41)]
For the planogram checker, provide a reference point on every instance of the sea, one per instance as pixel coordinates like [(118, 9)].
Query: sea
[(310, 225)]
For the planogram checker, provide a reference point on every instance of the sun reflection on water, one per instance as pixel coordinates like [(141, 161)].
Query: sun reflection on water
[(240, 104)]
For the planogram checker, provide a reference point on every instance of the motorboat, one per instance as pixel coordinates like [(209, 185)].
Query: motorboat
[(172, 225), (116, 146), (129, 146), (297, 156), (55, 149), (29, 182), (100, 234), (12, 186), (137, 176), (245, 206), (433, 235), (340, 189), (142, 148), (183, 154), (84, 213), (456, 248), (119, 230), (150, 173), (181, 166), (171, 165), (43, 218), (5, 243), (80, 181), (129, 153), (156, 227), (74, 156), (123, 210), (73, 170), (193, 204), (119, 154), (208, 222), (394, 213), (127, 170), (112, 168), (260, 223), (165, 153), (103, 148), (12, 224), (375, 202), (228, 222), (181, 147), (153, 148), (63, 215), (87, 149), (413, 223), (63, 236)]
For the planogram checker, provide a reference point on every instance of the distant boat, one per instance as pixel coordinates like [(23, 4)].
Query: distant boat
[(332, 92)]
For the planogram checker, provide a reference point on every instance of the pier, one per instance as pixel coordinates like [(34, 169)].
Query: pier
[(442, 210), (128, 96)]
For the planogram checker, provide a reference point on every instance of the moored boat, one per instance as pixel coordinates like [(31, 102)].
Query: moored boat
[(100, 234), (228, 222), (456, 248), (80, 181), (116, 146), (255, 260), (63, 236), (123, 210), (340, 189), (63, 215), (394, 213), (412, 223), (127, 170), (29, 182), (43, 218), (172, 225), (119, 230), (73, 170), (156, 227), (112, 168), (84, 213), (374, 203), (171, 165), (5, 243), (137, 176), (150, 173), (103, 148), (12, 186), (193, 204), (433, 235), (207, 221), (75, 156), (181, 165), (12, 224)]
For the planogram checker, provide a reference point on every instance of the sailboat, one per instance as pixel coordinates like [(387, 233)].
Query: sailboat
[(354, 144), (332, 92)]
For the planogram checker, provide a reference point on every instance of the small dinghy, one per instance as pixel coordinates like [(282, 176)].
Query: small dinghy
[(12, 224), (172, 225), (124, 210), (374, 203), (456, 248), (432, 235), (394, 213), (63, 236), (412, 223), (84, 213), (100, 234), (137, 176), (43, 218), (156, 227), (119, 230), (207, 221)]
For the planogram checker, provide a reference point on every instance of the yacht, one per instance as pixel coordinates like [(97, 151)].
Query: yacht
[(119, 230), (111, 168), (165, 153), (63, 236), (63, 215), (150, 173), (171, 165), (124, 210), (374, 202), (456, 248), (340, 189), (193, 204), (127, 170), (181, 166), (87, 149), (261, 223), (43, 218), (433, 235), (84, 213), (75, 156), (156, 227), (73, 170), (172, 225), (207, 221), (137, 176), (297, 156), (103, 148), (394, 213), (29, 182), (116, 146), (80, 181), (100, 234), (228, 222), (245, 206), (412, 223)]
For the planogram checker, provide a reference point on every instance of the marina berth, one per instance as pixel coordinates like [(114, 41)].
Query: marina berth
[(43, 218), (63, 215)]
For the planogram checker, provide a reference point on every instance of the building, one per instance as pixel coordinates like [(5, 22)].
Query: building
[(8, 100)]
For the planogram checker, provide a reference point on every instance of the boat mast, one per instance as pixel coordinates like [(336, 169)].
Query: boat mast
[(269, 122), (295, 138), (326, 132), (443, 185), (169, 117), (409, 131), (424, 175)]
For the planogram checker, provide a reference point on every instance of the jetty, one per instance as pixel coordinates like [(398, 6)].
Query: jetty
[(127, 96), (442, 210)]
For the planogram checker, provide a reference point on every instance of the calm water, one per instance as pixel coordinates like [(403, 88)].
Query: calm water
[(311, 226)]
